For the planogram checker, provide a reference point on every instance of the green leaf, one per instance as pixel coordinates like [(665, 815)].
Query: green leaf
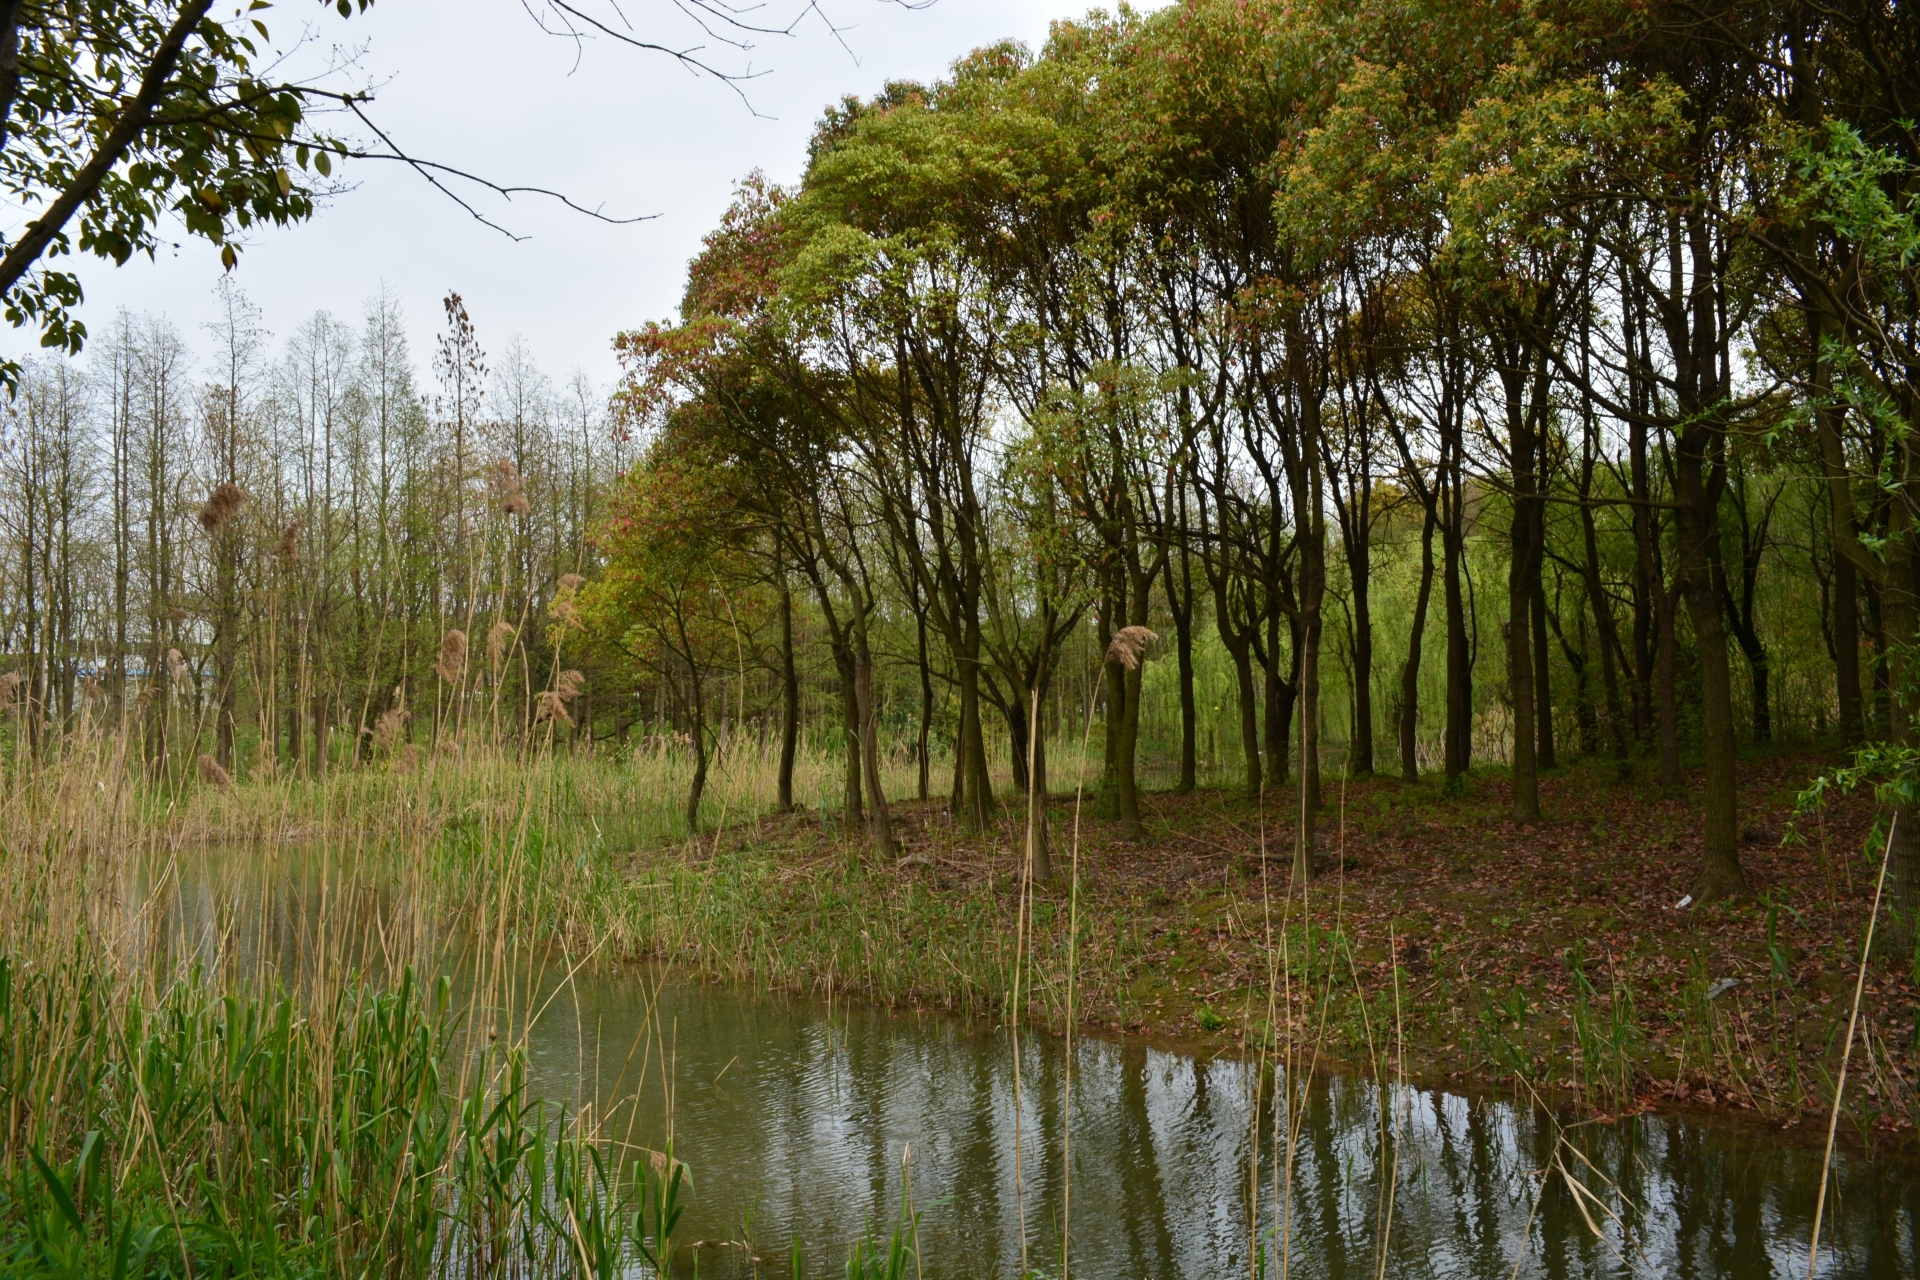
[(62, 1197)]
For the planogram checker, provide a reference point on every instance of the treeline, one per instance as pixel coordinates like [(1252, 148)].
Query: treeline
[(1451, 378), (262, 553)]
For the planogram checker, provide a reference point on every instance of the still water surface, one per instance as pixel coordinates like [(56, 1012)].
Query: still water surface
[(809, 1121), (794, 1117)]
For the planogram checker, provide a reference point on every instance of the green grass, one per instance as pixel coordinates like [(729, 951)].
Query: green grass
[(185, 1091)]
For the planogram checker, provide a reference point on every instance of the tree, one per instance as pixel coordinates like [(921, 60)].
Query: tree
[(676, 588), (117, 113)]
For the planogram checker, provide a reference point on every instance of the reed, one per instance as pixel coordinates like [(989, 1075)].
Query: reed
[(278, 1026)]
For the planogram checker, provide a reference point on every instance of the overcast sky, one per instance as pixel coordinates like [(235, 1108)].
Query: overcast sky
[(474, 83)]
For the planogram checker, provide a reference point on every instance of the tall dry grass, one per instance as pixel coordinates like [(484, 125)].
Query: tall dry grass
[(278, 1028)]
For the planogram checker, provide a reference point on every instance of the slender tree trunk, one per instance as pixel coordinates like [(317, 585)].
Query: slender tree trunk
[(789, 701), (1542, 676), (977, 803), (1016, 712), (1249, 712), (1410, 670), (845, 666), (1459, 731), (1278, 698), (1900, 620), (1180, 604), (880, 813), (1037, 792), (1526, 778), (697, 704), (922, 743), (1127, 745), (1608, 633), (1360, 754), (1846, 651), (1305, 844), (1846, 605)]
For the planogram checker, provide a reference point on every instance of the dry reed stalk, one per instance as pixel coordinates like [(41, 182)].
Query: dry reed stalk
[(1846, 1054), (1073, 960), (1021, 913)]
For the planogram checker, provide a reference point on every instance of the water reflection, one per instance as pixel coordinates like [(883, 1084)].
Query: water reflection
[(810, 1121), (794, 1116)]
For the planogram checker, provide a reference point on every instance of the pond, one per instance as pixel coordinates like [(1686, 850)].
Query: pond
[(800, 1119), (809, 1121)]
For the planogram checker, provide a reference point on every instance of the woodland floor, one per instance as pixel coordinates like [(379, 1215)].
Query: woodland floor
[(1448, 941)]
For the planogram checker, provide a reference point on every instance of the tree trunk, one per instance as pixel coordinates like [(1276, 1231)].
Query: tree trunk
[(877, 808), (698, 788), (1249, 712), (1846, 606), (1459, 731), (1526, 778), (1846, 651), (1037, 795), (1607, 629), (1016, 712), (789, 702), (1410, 670), (976, 805), (922, 743), (845, 666), (1698, 527), (1180, 605), (1542, 675), (1360, 750)]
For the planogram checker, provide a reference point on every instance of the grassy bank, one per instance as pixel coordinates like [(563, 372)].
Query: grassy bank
[(1438, 933)]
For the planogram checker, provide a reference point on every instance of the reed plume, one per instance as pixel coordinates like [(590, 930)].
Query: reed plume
[(551, 704), (222, 505), (509, 492), (215, 775), (9, 682), (564, 609), (1129, 646), (288, 548), (499, 641), (388, 727), (176, 665), (453, 656)]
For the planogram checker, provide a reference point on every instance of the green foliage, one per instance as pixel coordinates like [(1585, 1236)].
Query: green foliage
[(127, 112), (244, 1135)]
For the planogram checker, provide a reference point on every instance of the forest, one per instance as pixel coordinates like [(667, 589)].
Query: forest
[(1456, 458), (1384, 416)]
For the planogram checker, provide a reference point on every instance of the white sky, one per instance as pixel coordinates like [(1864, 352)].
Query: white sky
[(474, 83)]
